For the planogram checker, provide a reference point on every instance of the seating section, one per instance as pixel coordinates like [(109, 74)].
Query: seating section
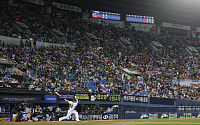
[(90, 68)]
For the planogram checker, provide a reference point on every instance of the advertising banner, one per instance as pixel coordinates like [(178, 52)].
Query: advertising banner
[(66, 7), (187, 82), (107, 22), (176, 26), (39, 2), (66, 96), (50, 99), (80, 96), (94, 116), (161, 115), (83, 97), (139, 99), (143, 27), (20, 98), (105, 97), (188, 108)]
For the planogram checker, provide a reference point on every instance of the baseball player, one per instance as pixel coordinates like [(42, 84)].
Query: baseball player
[(37, 113), (72, 106), (18, 111)]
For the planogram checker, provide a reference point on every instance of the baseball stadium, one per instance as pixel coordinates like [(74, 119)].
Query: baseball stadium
[(99, 62)]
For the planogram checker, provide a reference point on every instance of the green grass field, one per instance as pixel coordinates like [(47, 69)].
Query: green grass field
[(185, 121)]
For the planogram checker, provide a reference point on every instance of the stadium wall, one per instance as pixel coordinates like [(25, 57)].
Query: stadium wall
[(130, 107)]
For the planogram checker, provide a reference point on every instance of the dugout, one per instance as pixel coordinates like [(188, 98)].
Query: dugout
[(10, 98)]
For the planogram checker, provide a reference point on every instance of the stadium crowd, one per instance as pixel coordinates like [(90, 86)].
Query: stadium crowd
[(90, 68), (37, 25)]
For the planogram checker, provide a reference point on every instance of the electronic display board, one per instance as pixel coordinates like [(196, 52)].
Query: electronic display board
[(139, 19), (105, 15)]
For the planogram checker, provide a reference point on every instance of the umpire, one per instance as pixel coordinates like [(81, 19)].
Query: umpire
[(18, 109)]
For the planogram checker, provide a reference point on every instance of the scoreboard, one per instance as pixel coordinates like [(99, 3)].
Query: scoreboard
[(105, 15), (139, 19)]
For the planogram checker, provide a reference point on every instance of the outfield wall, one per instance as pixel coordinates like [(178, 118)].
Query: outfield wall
[(145, 115), (129, 107)]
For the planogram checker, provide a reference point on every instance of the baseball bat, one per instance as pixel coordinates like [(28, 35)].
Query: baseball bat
[(57, 93)]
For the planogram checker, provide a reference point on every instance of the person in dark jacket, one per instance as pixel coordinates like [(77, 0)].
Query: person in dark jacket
[(18, 109)]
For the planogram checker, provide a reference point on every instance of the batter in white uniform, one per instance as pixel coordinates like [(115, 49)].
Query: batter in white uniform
[(72, 106)]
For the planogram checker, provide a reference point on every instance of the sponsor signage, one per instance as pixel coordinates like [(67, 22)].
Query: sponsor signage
[(67, 44), (66, 7), (66, 96), (20, 98), (107, 22), (50, 99), (161, 115), (139, 99), (189, 108), (187, 82), (176, 26), (94, 117), (39, 2), (130, 71), (142, 27), (83, 97), (105, 97)]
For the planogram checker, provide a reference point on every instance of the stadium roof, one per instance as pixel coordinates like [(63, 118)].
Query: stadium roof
[(179, 11)]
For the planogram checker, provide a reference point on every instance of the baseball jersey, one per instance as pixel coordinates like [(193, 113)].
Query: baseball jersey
[(73, 105)]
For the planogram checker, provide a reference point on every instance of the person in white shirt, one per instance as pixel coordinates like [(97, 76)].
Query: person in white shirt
[(72, 106)]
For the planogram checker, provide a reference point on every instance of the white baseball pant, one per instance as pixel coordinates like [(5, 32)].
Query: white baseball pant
[(68, 114), (35, 119)]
